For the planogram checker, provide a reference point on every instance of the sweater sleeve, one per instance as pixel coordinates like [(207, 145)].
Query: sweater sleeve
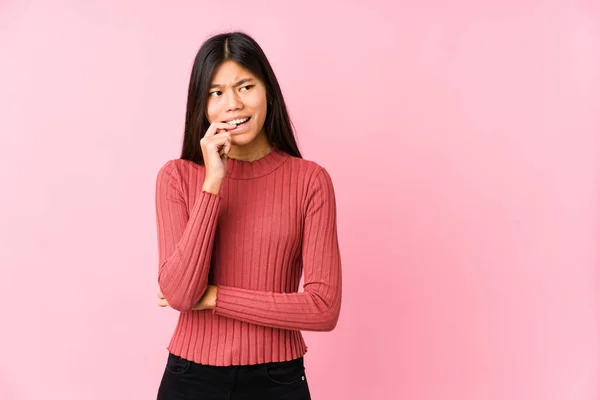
[(317, 308), (185, 241)]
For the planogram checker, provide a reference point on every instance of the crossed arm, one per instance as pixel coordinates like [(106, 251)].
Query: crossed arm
[(207, 302), (185, 250)]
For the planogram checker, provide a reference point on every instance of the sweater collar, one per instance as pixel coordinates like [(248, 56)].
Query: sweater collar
[(239, 169)]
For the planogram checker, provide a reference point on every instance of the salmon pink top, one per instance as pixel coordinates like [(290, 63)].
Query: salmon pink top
[(274, 219)]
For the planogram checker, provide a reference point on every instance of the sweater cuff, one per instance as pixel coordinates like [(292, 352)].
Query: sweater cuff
[(210, 194), (229, 302), (221, 293)]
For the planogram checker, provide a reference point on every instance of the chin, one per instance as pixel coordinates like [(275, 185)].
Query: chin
[(242, 139)]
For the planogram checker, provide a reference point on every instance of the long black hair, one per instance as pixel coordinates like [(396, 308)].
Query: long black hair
[(244, 50)]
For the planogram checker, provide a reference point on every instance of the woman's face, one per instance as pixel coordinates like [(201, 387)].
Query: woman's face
[(237, 95)]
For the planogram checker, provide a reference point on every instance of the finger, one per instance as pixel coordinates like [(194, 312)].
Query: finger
[(160, 295), (224, 144), (163, 303), (218, 126), (220, 141), (224, 131)]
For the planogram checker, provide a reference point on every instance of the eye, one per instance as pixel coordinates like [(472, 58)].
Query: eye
[(216, 93), (247, 87)]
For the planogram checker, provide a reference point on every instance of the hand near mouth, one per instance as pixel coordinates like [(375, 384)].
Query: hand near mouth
[(216, 145)]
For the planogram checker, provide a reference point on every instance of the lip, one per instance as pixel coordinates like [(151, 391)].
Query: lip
[(238, 117), (240, 128)]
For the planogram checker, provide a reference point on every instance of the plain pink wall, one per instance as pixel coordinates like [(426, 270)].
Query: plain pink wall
[(463, 141)]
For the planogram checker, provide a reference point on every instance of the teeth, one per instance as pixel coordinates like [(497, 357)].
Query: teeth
[(238, 121)]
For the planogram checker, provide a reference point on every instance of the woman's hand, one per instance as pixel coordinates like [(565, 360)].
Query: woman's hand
[(207, 302), (161, 300), (216, 145)]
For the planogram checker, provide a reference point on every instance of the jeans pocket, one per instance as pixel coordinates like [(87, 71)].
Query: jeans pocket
[(285, 373), (177, 365)]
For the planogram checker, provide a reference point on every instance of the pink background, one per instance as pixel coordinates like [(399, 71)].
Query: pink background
[(463, 141)]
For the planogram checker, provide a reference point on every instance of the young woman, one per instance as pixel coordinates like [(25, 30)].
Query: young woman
[(240, 217)]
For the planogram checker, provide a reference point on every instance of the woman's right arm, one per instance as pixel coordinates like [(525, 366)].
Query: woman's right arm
[(185, 241)]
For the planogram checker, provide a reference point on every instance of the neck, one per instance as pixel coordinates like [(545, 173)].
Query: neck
[(252, 151)]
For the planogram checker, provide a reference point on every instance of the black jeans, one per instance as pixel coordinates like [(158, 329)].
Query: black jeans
[(187, 380)]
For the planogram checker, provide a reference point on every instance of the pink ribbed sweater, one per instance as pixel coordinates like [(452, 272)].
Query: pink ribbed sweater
[(273, 218)]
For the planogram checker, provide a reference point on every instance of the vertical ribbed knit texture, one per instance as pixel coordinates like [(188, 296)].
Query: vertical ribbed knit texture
[(274, 218)]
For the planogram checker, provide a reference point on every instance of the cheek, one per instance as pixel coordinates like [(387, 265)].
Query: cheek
[(212, 111), (257, 99), (259, 105)]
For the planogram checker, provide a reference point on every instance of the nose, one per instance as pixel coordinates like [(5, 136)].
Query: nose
[(233, 101)]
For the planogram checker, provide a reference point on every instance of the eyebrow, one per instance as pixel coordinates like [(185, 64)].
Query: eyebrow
[(238, 83)]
